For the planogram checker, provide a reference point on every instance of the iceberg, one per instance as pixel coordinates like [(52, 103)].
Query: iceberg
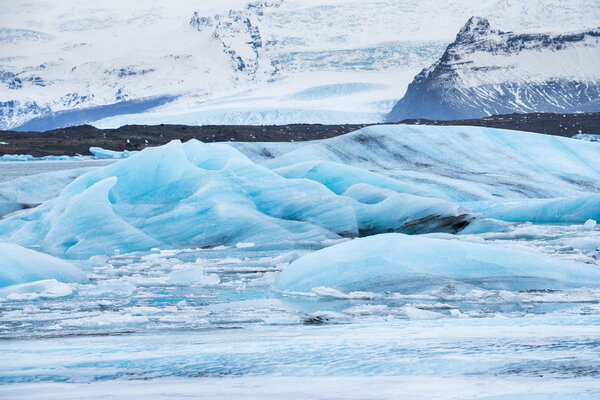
[(380, 179), (198, 195), (455, 163), (19, 265), (412, 264), (99, 152)]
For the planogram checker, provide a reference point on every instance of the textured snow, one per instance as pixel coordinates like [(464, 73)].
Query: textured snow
[(20, 265), (113, 52), (412, 264)]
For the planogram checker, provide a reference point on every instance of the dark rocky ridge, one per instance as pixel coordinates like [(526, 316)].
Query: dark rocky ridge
[(78, 139), (567, 125)]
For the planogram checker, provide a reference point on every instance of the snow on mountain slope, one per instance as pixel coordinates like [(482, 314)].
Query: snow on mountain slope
[(203, 60), (488, 71)]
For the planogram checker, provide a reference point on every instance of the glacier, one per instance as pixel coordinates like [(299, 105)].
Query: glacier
[(412, 264)]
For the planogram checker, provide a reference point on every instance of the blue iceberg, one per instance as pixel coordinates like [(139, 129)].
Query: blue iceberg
[(408, 179), (197, 195), (412, 264)]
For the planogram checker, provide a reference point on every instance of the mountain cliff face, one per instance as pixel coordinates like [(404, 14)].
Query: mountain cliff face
[(486, 71)]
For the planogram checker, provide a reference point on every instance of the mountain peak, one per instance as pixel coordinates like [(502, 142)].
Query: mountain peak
[(475, 26), (488, 71)]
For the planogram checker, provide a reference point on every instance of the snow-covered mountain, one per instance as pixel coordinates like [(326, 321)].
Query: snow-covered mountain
[(112, 62), (486, 71)]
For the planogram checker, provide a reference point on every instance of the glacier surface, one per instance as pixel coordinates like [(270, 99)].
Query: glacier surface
[(123, 58)]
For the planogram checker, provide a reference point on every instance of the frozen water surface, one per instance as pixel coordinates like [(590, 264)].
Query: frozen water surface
[(179, 317)]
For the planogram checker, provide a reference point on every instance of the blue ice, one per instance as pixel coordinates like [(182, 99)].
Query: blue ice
[(197, 194), (412, 264), (558, 210)]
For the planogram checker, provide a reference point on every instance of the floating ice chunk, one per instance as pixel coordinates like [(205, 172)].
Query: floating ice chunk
[(366, 309), (193, 276), (413, 264), (590, 224), (243, 245), (107, 319), (99, 152), (29, 157), (420, 314), (21, 265), (45, 289), (325, 292)]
